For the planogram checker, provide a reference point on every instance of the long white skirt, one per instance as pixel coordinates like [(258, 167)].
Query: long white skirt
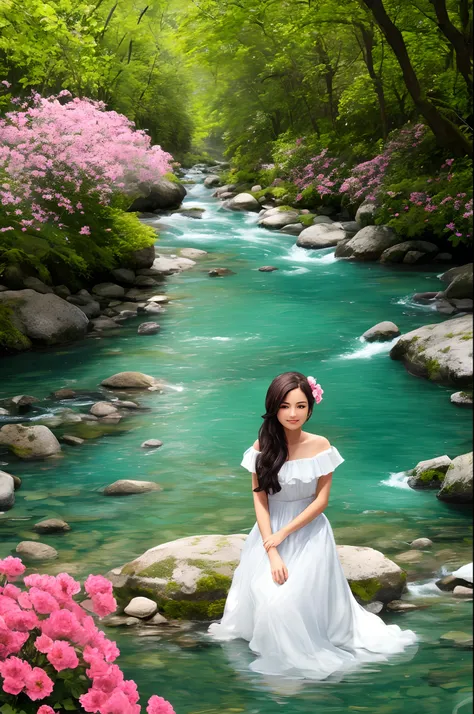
[(311, 626)]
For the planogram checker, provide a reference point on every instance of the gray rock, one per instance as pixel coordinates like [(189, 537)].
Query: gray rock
[(452, 273), (424, 298), (4, 412), (159, 299), (370, 242), (414, 257), (381, 332), (461, 591), (461, 284), (127, 314), (141, 607), (150, 308), (321, 235), (145, 281), (104, 323), (167, 266), (370, 574), (29, 442), (343, 249), (365, 215), (124, 276), (103, 409), (350, 228), (267, 268), (462, 304), (421, 543), (91, 309), (64, 394), (212, 181), (401, 606), (279, 219), (52, 525), (128, 487), (62, 291), (163, 194), (429, 474), (448, 583), (108, 290), (293, 229), (125, 404), (152, 444), (72, 440), (228, 188), (193, 254), (45, 319), (130, 380), (23, 401), (374, 607), (462, 399), (148, 328), (443, 258), (243, 202), (220, 272), (457, 484), (36, 552), (38, 285), (193, 212), (256, 188), (143, 258), (7, 491), (397, 253), (317, 220), (442, 352)]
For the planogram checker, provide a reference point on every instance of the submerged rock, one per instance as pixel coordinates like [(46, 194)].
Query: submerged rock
[(148, 328), (52, 525), (7, 491), (103, 409), (152, 444), (130, 380), (192, 253), (128, 487), (29, 442), (34, 551)]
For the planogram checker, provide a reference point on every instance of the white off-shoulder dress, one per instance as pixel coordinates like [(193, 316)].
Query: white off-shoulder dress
[(311, 626)]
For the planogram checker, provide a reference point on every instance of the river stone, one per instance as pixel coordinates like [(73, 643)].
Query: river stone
[(150, 308), (144, 281), (414, 257), (459, 281), (370, 574), (192, 253), (29, 442), (108, 290), (163, 194), (461, 399), (23, 402), (424, 351), (429, 474), (64, 394), (421, 543), (381, 332), (212, 181), (158, 299), (128, 487), (318, 220), (79, 299), (46, 319), (141, 607), (293, 229), (148, 328), (461, 591), (374, 607), (370, 242), (397, 253), (38, 285), (167, 265), (350, 227), (220, 272), (52, 525), (227, 188), (448, 583), (279, 219), (102, 409), (457, 484), (91, 309), (130, 380), (365, 215), (62, 291), (124, 276), (142, 259), (72, 440), (152, 444), (242, 202), (267, 268), (105, 323), (401, 606), (125, 404), (322, 235), (34, 551), (7, 491)]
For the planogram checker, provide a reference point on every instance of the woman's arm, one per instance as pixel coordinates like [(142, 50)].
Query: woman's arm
[(309, 514)]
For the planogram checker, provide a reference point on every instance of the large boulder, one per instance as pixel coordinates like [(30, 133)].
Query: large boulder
[(460, 286), (398, 253), (45, 318), (440, 352), (162, 195), (365, 215), (370, 242), (242, 202), (452, 273), (212, 181), (142, 259), (279, 219), (130, 380), (381, 332), (189, 578), (38, 285), (7, 491), (429, 474), (321, 235), (109, 290), (29, 442), (457, 484)]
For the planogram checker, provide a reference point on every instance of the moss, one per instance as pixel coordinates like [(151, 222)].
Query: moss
[(284, 209), (445, 349), (306, 219), (193, 610), (415, 338), (171, 587), (420, 349), (11, 339), (467, 336), (466, 395), (366, 590), (213, 583), (172, 177), (431, 475), (432, 367), (449, 334), (162, 569)]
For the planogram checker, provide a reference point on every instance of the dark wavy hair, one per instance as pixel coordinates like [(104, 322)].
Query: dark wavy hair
[(271, 435)]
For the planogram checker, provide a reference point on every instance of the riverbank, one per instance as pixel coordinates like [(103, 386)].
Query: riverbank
[(252, 325)]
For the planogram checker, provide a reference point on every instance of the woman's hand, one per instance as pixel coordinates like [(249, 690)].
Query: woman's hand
[(278, 567), (274, 540)]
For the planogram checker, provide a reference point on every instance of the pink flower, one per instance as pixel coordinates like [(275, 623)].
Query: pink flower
[(62, 656), (85, 231), (93, 700), (62, 625), (97, 584), (158, 705), (43, 643), (396, 215), (14, 671), (11, 567), (104, 604), (45, 709), (13, 686), (451, 226), (38, 684), (43, 602), (5, 83), (117, 703)]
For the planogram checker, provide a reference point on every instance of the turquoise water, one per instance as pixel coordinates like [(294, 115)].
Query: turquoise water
[(222, 340)]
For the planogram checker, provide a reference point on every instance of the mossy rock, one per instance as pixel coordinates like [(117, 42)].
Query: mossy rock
[(457, 484), (11, 339), (371, 576)]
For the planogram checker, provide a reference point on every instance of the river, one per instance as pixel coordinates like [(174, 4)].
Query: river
[(222, 340)]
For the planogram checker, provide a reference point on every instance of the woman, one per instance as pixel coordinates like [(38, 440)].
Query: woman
[(289, 597)]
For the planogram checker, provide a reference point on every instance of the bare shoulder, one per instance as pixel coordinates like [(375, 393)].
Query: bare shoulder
[(256, 445), (320, 443)]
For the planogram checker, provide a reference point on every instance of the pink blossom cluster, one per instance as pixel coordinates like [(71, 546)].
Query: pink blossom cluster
[(57, 151), (44, 631), (323, 172)]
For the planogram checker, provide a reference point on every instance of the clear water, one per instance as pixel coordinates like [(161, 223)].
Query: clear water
[(221, 342)]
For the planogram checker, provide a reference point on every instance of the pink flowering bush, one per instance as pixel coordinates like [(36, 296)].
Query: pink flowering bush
[(67, 169), (52, 655)]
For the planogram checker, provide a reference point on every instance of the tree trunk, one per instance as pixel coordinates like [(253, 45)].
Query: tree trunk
[(447, 133), (460, 43), (329, 73), (368, 39)]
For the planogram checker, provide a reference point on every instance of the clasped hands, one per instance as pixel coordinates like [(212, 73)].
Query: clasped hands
[(273, 540)]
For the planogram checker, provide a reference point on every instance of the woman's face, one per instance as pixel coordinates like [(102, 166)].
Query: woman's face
[(293, 410)]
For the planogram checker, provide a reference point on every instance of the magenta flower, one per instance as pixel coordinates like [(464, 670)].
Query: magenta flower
[(38, 684), (158, 705), (10, 566)]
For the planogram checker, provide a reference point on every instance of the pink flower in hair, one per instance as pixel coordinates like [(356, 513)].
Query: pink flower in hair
[(316, 389)]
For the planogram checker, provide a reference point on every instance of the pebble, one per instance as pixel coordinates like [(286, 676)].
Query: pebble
[(102, 409), (72, 440), (141, 607), (152, 444), (421, 543)]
